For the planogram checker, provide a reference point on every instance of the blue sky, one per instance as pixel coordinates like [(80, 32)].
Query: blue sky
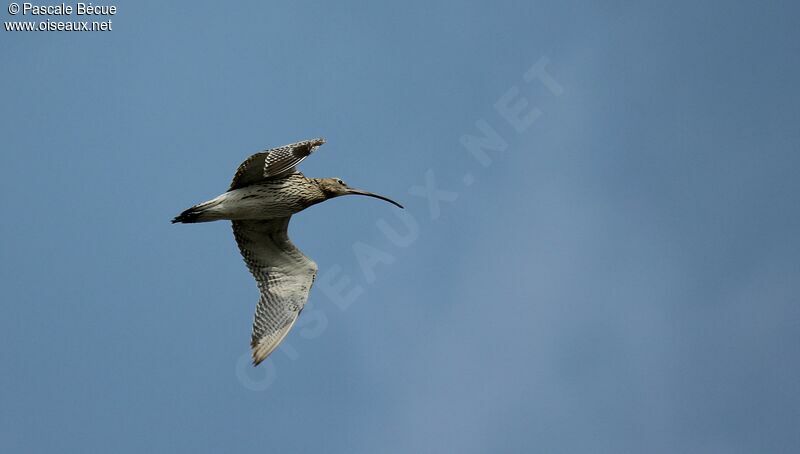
[(622, 277)]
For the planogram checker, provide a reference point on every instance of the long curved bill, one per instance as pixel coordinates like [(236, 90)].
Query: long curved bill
[(369, 194)]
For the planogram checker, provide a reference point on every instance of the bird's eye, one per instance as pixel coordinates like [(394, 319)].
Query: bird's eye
[(340, 182)]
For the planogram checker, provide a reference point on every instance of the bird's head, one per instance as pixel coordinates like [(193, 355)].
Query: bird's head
[(335, 187)]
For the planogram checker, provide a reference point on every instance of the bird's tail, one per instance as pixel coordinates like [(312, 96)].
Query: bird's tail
[(198, 213)]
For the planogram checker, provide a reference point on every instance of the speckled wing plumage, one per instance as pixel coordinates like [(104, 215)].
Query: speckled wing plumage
[(273, 163), (284, 277)]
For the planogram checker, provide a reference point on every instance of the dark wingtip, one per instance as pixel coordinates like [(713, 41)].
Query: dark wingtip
[(308, 147), (253, 343)]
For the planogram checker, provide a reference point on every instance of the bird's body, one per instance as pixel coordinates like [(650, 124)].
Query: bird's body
[(266, 191), (270, 199)]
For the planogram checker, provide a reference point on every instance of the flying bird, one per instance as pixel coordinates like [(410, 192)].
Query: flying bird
[(265, 192)]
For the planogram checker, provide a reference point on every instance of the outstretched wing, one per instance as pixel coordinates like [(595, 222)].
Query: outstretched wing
[(284, 277), (273, 163)]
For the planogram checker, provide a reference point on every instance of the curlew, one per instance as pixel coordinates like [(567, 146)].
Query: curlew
[(265, 192)]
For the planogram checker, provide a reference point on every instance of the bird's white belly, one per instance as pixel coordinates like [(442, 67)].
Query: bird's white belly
[(256, 202)]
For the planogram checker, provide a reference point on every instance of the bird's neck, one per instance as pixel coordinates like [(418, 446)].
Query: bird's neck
[(320, 195)]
